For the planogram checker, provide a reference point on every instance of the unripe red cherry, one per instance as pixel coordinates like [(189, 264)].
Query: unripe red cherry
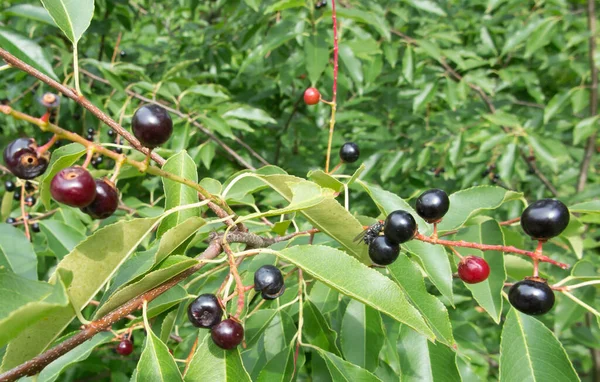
[(125, 347), (22, 159), (227, 334), (312, 96), (152, 125), (73, 186), (106, 201), (473, 269)]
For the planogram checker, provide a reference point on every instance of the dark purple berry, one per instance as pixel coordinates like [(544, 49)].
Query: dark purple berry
[(17, 196), (22, 159), (227, 334), (545, 219), (73, 186), (152, 125), (531, 296), (35, 227), (106, 201), (432, 205), (349, 152), (30, 200), (269, 281), (383, 251), (205, 311), (400, 227), (125, 347)]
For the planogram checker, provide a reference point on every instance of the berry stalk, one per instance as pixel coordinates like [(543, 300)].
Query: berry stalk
[(334, 90)]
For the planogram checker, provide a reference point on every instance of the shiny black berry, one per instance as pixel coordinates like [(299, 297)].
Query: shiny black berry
[(118, 150), (106, 201), (545, 219), (11, 221), (383, 251), (89, 137), (227, 334), (432, 205), (22, 159), (35, 227), (205, 311), (111, 133), (349, 152), (17, 196), (531, 296), (400, 227), (152, 125), (269, 281), (123, 53), (9, 186), (73, 186), (30, 200), (125, 347), (96, 162), (29, 186)]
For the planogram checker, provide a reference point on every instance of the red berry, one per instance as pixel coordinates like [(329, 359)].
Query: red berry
[(152, 125), (125, 347), (312, 96), (473, 269), (227, 334), (73, 186), (106, 201)]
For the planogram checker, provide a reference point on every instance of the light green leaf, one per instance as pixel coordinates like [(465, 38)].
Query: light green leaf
[(280, 368), (251, 114), (62, 157), (73, 17), (408, 65), (177, 194), (556, 104), (206, 90), (341, 370), (344, 273), (501, 118), (362, 335), (591, 207), (325, 180), (61, 237), (541, 36), (530, 352), (256, 325), (584, 129), (519, 37), (507, 162), (25, 302), (16, 252), (225, 365), (542, 152), (428, 6), (316, 53), (285, 4), (30, 11), (26, 50), (352, 64), (423, 98), (324, 297), (316, 329)]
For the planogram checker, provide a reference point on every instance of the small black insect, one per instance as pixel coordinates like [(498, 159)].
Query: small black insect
[(370, 233)]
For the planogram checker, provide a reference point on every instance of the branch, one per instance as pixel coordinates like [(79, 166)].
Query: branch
[(335, 80), (15, 62), (591, 142)]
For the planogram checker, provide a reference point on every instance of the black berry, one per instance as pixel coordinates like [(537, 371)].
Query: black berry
[(90, 137), (531, 296), (22, 159), (96, 162), (432, 205), (123, 53), (29, 186), (227, 334), (545, 219), (106, 201), (269, 281), (152, 125), (91, 131), (9, 186), (17, 196), (49, 100), (119, 150), (111, 133), (11, 221), (400, 227), (125, 347), (35, 227), (30, 200), (205, 311), (383, 251), (349, 152), (73, 186)]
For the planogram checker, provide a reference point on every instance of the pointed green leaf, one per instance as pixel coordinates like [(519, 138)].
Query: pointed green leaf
[(16, 252), (61, 237), (316, 52), (362, 335), (316, 329), (341, 370), (156, 363), (30, 11), (73, 17), (211, 363), (26, 50)]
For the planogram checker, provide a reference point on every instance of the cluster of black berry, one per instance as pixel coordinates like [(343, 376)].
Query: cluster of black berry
[(320, 4), (206, 311)]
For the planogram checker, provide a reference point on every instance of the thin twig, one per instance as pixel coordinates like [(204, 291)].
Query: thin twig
[(335, 80)]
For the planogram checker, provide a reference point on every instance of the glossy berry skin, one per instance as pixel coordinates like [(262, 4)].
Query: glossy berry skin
[(349, 152), (30, 200), (269, 281), (400, 227), (545, 219), (383, 251), (22, 159), (17, 196), (9, 186), (473, 269), (106, 201), (125, 347), (227, 334), (531, 296), (152, 125), (35, 227), (73, 186), (205, 311), (11, 221), (312, 96), (432, 205)]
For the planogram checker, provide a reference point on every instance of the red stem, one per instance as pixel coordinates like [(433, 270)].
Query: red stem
[(335, 50), (487, 247)]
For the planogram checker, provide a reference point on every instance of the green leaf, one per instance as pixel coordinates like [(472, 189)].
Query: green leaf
[(362, 335), (424, 361), (501, 118), (25, 302), (341, 370), (78, 354), (251, 114), (541, 36), (324, 297), (256, 325), (530, 352), (206, 90), (16, 252), (556, 104), (316, 53), (408, 65), (223, 365), (542, 152), (325, 180), (519, 37), (26, 50), (344, 273), (507, 162), (62, 157), (73, 17), (428, 6), (178, 194), (285, 4), (584, 129), (30, 11), (279, 368), (423, 98), (316, 329), (90, 265), (591, 207), (61, 237), (279, 334), (409, 277), (368, 17), (488, 293), (352, 65), (156, 363)]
